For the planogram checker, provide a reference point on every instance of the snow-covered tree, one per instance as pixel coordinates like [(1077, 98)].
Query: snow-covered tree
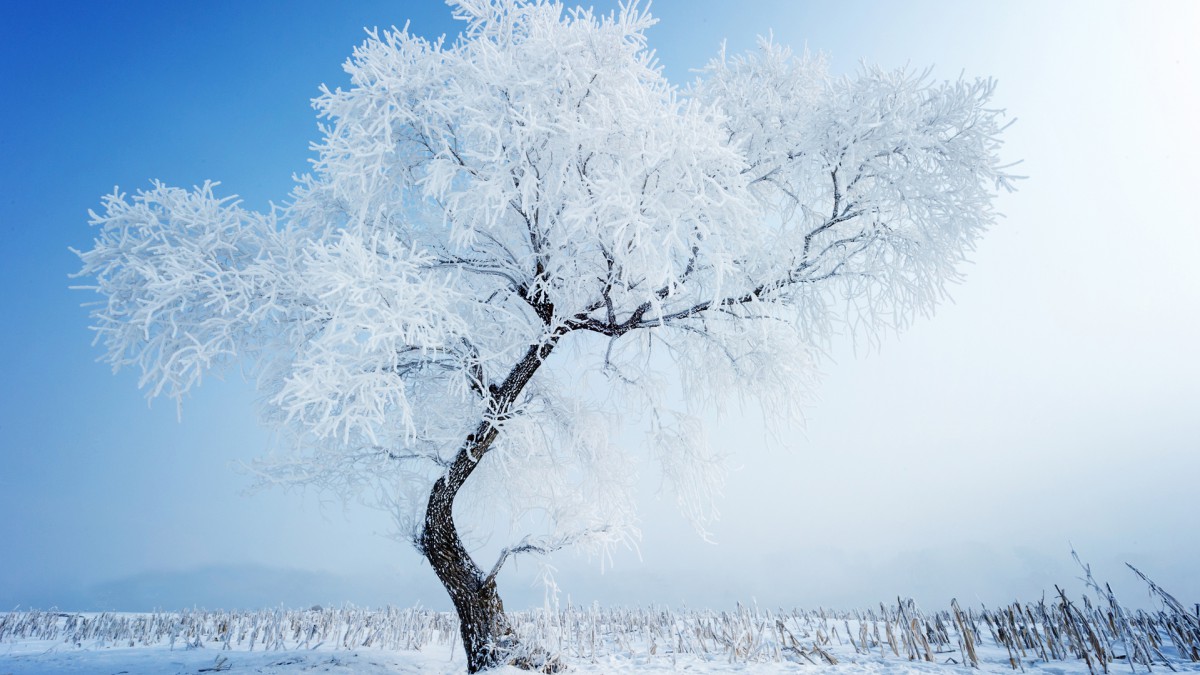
[(476, 207)]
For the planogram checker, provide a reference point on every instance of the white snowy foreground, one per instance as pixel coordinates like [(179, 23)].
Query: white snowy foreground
[(50, 658), (1062, 636)]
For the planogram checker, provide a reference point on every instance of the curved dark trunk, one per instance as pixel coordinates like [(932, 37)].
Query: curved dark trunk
[(487, 636)]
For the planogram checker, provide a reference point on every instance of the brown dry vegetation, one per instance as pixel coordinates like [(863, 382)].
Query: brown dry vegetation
[(1094, 628)]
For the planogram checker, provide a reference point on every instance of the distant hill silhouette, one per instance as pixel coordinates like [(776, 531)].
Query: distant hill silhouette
[(237, 587)]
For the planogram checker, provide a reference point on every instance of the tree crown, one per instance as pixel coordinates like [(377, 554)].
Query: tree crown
[(473, 204)]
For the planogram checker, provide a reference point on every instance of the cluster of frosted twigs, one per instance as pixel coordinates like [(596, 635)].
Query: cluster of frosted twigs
[(1095, 630)]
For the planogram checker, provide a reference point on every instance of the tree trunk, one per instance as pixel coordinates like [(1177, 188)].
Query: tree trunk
[(487, 636)]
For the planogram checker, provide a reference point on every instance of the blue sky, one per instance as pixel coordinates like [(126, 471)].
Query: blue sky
[(1057, 400)]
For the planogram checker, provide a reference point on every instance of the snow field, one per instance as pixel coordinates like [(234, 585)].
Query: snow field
[(1090, 635)]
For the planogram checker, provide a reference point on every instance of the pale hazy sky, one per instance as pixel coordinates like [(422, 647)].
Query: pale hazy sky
[(1056, 401)]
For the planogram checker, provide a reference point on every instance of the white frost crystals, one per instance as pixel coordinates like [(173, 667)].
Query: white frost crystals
[(540, 182), (189, 282)]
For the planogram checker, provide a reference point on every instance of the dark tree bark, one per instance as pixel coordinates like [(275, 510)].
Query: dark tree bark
[(487, 636)]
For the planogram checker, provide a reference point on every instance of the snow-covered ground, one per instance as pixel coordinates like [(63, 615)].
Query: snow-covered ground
[(1063, 638), (46, 658), (43, 658)]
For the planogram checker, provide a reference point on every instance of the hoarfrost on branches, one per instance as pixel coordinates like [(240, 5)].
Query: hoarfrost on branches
[(538, 182)]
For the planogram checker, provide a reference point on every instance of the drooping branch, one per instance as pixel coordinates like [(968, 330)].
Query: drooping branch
[(403, 456), (542, 546)]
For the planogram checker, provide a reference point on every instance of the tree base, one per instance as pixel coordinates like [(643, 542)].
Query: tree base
[(507, 650), (537, 660)]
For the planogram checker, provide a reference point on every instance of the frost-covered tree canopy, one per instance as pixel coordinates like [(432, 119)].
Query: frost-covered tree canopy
[(539, 184)]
